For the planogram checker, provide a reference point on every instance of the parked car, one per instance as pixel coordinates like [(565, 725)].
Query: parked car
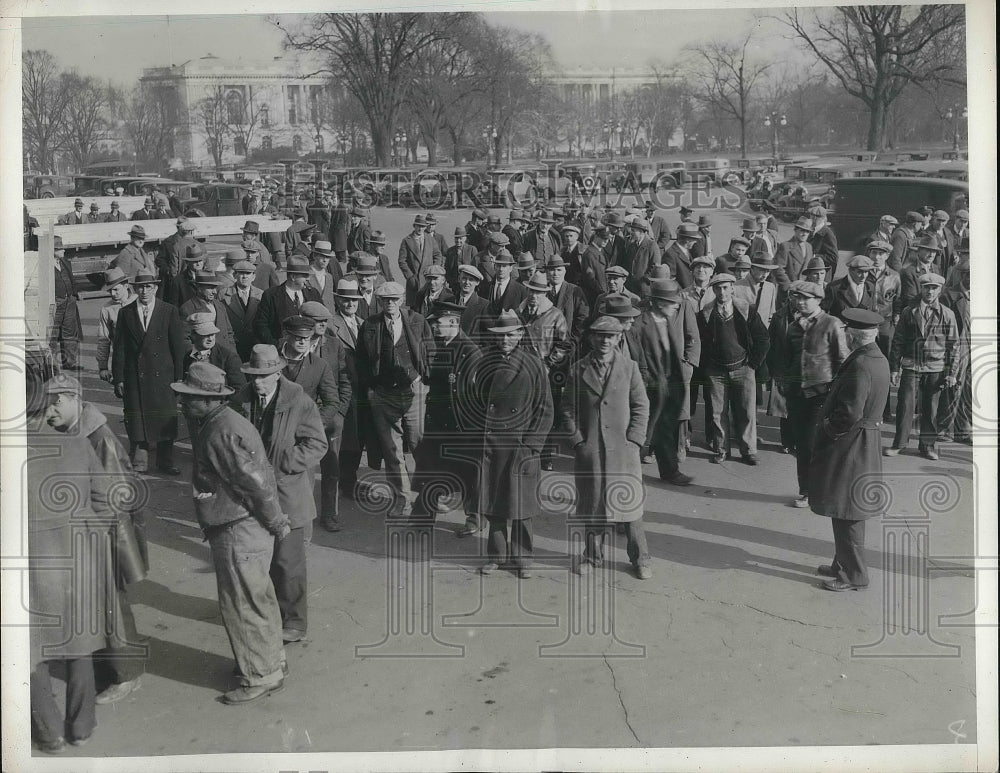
[(713, 171), (585, 177), (215, 200), (510, 187), (553, 181), (47, 186), (670, 174)]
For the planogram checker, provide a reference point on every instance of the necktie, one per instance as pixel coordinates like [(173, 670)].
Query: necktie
[(261, 405), (496, 292), (298, 301), (145, 317)]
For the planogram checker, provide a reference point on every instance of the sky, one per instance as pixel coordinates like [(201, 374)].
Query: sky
[(119, 47)]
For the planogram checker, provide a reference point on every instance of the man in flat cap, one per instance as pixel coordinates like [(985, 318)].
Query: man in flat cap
[(173, 249), (149, 347), (417, 253), (434, 290), (207, 301), (345, 325), (738, 247), (568, 298), (845, 454), (886, 286), (514, 415), (205, 347), (474, 306), (853, 290), (181, 288), (926, 259), (393, 350), (285, 300), (241, 303), (496, 243), (236, 502), (476, 229), (883, 233), (793, 256), (924, 361), (133, 258), (943, 237), (572, 253), (956, 408), (461, 253), (66, 330), (903, 238)]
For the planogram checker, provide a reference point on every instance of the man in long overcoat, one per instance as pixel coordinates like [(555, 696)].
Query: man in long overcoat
[(447, 457), (292, 432), (605, 412), (241, 306), (847, 453), (513, 408), (149, 349)]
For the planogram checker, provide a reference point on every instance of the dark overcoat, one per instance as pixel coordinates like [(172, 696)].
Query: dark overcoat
[(606, 425), (512, 406), (846, 462), (226, 335), (274, 306), (241, 320), (146, 362), (667, 375)]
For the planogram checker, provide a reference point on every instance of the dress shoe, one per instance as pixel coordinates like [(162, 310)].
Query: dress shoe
[(802, 501), (57, 746), (965, 440), (750, 459), (787, 450), (169, 470), (644, 572), (291, 635), (239, 674), (891, 451), (118, 691), (945, 437), (468, 529), (930, 453), (547, 467), (330, 524), (489, 568), (244, 695), (826, 571), (718, 458), (840, 585), (83, 740), (525, 573), (581, 565), (648, 459), (678, 479)]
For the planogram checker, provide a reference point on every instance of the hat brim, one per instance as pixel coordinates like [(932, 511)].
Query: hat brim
[(348, 296), (182, 388), (145, 282), (632, 312), (251, 371), (505, 328)]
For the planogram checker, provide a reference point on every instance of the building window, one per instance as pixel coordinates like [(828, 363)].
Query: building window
[(293, 105), (265, 117), (266, 143), (315, 94), (239, 146), (297, 143), (234, 107)]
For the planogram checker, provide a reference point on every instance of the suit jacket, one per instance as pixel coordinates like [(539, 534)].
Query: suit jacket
[(274, 307), (225, 336), (225, 358), (319, 216), (295, 445), (512, 297), (570, 301), (594, 281), (516, 239), (115, 216), (72, 218), (660, 232), (474, 316), (766, 304), (453, 258), (909, 282), (418, 337), (667, 375), (322, 382), (143, 214), (679, 262), (639, 259), (131, 260), (414, 260), (839, 296), (902, 241), (791, 257), (422, 305), (359, 237), (340, 224), (146, 362), (824, 244), (544, 248), (690, 294), (241, 320)]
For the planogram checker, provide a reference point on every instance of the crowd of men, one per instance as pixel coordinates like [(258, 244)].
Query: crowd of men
[(587, 335)]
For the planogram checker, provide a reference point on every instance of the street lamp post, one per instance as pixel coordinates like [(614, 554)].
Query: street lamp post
[(611, 129), (956, 116), (342, 139), (772, 122), (400, 148), (490, 137)]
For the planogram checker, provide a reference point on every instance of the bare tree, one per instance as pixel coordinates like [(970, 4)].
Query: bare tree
[(87, 117), (726, 78), (248, 117), (43, 101), (213, 116), (875, 51), (149, 115), (372, 54)]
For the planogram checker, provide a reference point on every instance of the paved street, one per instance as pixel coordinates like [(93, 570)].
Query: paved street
[(732, 642)]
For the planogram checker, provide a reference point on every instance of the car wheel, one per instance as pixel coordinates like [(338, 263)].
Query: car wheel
[(194, 213), (48, 195)]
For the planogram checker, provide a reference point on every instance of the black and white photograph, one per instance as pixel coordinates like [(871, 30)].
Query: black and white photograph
[(498, 386)]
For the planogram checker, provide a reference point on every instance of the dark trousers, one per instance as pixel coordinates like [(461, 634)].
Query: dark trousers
[(803, 412), (329, 468), (164, 454), (786, 433), (665, 439), (64, 337), (955, 408), (597, 534), (849, 549), (699, 384), (925, 387), (515, 548), (884, 341), (122, 663), (288, 573), (81, 714)]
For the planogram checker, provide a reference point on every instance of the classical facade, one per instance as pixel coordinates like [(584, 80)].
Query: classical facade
[(252, 104), (588, 86)]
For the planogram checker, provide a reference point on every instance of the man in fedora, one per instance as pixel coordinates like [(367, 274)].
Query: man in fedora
[(757, 289), (378, 250), (76, 217), (669, 349), (94, 216), (845, 455), (766, 239), (924, 362), (340, 225), (251, 241), (640, 255), (206, 301), (345, 325), (369, 278), (853, 290), (447, 457), (515, 229), (146, 213), (181, 288), (430, 219), (417, 253), (615, 245), (325, 272), (815, 271), (503, 292), (620, 307), (292, 432), (514, 415), (148, 351), (117, 284), (824, 240), (285, 300), (605, 413), (392, 355), (792, 256), (733, 345), (594, 265), (66, 329), (927, 260), (703, 244), (205, 347), (525, 268), (679, 255), (267, 276), (173, 249), (568, 298), (115, 215), (132, 259), (359, 234), (542, 241), (496, 243), (324, 381), (461, 253), (658, 227), (236, 503)]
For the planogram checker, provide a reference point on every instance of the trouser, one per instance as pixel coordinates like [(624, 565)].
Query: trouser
[(925, 387), (598, 532), (787, 433), (397, 415), (329, 468), (849, 547), (81, 712), (955, 408), (515, 548), (121, 663), (699, 383), (164, 454), (884, 341), (444, 466), (64, 337), (733, 389), (665, 439), (288, 573), (242, 553), (803, 413)]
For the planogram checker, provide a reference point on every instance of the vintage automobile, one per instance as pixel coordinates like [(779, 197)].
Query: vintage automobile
[(713, 171), (47, 186), (215, 200), (670, 174), (510, 188), (586, 178), (553, 180)]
